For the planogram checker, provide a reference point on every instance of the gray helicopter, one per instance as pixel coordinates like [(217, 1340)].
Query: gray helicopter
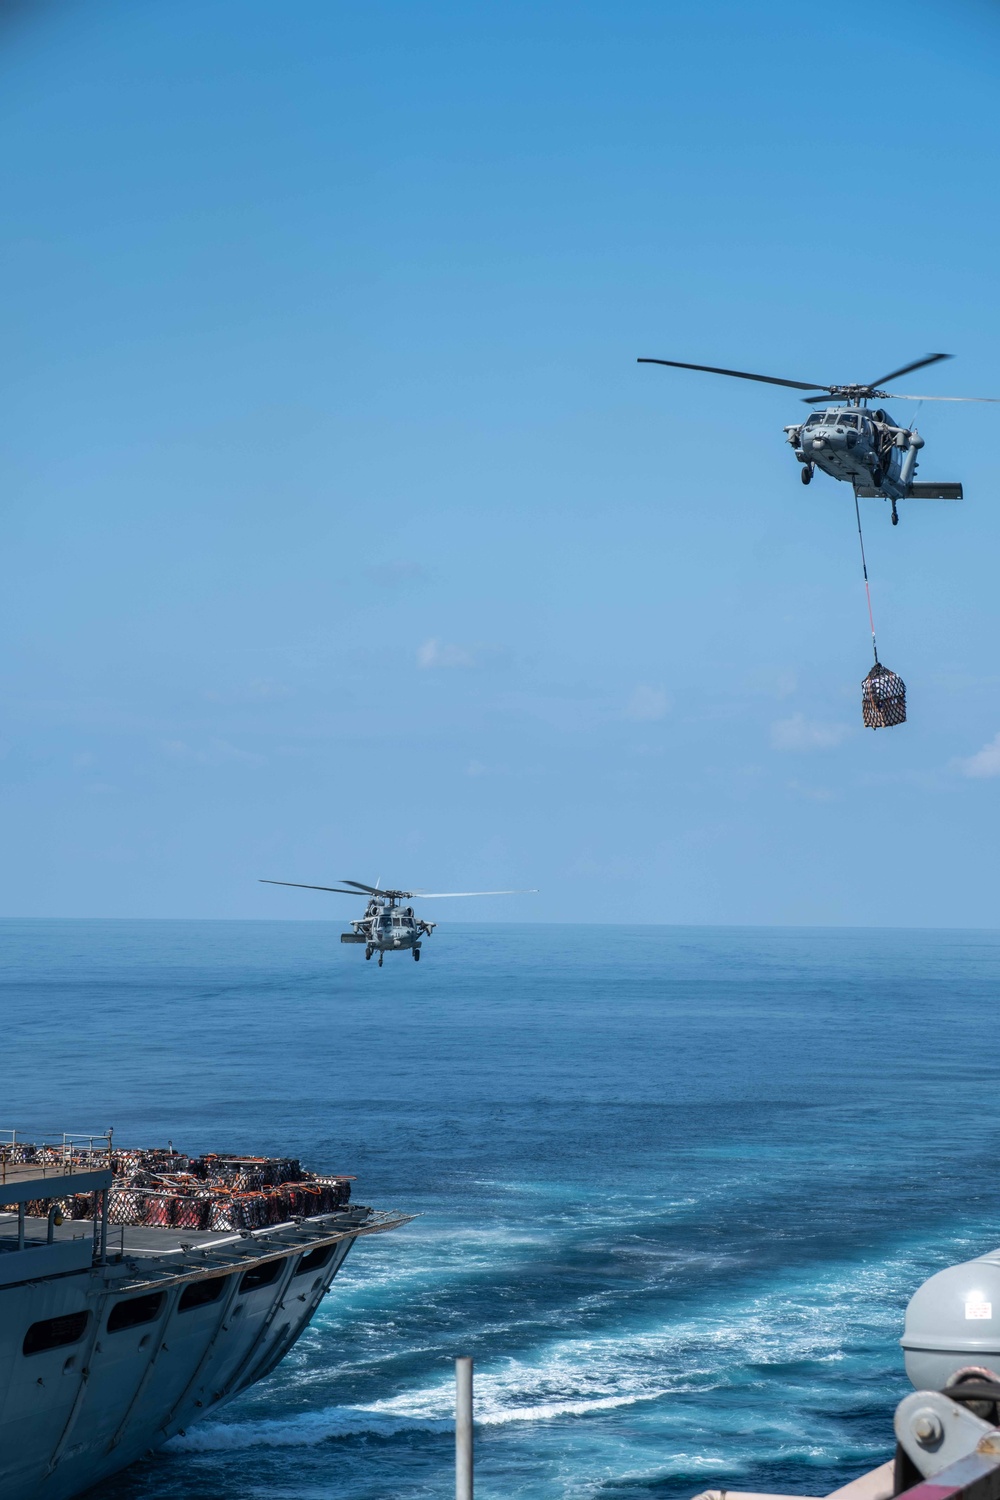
[(867, 448), (388, 927)]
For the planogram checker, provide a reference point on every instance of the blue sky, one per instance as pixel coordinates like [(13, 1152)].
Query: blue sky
[(342, 534)]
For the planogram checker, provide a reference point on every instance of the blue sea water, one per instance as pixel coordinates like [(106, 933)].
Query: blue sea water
[(675, 1186)]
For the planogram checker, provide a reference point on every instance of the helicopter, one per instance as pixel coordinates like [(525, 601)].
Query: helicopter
[(848, 441), (388, 927)]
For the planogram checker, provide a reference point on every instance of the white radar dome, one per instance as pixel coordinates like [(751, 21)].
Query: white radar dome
[(953, 1324)]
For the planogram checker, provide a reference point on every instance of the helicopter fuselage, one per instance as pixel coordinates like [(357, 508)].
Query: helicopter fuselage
[(865, 447), (387, 927)]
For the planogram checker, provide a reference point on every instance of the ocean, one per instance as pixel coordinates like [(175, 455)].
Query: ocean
[(673, 1186)]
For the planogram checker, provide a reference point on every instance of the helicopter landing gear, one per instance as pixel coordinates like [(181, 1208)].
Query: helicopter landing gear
[(877, 477), (380, 958), (368, 951), (416, 955), (806, 473), (895, 517)]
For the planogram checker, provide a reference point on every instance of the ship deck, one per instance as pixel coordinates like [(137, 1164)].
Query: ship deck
[(14, 1173), (164, 1252)]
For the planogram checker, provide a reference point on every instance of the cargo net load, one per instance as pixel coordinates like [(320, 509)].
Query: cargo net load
[(883, 698), (164, 1189)]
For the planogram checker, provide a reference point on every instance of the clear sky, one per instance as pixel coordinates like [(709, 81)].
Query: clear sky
[(343, 536)]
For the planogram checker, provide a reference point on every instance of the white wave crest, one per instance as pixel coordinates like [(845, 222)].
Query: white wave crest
[(311, 1428), (733, 1347)]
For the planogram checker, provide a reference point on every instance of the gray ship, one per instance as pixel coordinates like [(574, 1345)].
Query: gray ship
[(120, 1329), (947, 1431)]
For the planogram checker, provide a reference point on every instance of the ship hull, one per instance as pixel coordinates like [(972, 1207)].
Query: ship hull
[(153, 1356)]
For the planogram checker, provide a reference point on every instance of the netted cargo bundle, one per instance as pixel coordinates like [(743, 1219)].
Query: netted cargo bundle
[(38, 1208), (312, 1198), (883, 698), (282, 1169), (247, 1173), (226, 1213), (180, 1184), (191, 1213), (336, 1191), (17, 1153), (208, 1166), (76, 1206), (161, 1159), (249, 1209), (81, 1206), (291, 1194), (277, 1206), (77, 1159), (138, 1178), (160, 1209), (50, 1155), (127, 1207)]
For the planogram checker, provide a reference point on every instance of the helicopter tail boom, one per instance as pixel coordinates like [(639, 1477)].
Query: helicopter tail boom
[(931, 490), (935, 490)]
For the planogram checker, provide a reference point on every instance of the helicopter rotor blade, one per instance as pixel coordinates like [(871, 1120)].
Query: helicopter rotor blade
[(897, 396), (373, 890), (918, 364), (441, 895), (301, 887), (797, 385)]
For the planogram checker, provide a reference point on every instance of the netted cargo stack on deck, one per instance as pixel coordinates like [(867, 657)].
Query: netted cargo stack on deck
[(161, 1188), (221, 1192), (883, 698), (80, 1206)]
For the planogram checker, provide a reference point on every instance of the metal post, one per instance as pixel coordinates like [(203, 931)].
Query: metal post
[(20, 1226), (104, 1227), (463, 1429)]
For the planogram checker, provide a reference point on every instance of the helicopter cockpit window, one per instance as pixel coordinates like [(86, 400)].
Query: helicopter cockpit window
[(847, 420), (816, 418)]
